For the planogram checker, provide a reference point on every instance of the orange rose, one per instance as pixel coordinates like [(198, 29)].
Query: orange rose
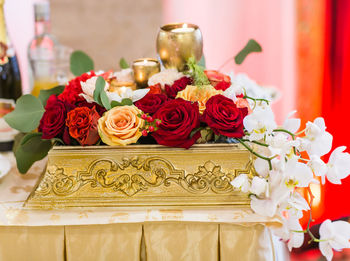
[(200, 94), (243, 103), (82, 125), (219, 80), (121, 125)]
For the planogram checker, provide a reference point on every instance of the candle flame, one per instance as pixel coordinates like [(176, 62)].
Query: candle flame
[(144, 61), (184, 26)]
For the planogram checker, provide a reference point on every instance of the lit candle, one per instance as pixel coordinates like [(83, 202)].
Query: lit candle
[(146, 62), (143, 69), (183, 29)]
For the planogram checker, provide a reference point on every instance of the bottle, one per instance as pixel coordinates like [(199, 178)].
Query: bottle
[(10, 83), (42, 50)]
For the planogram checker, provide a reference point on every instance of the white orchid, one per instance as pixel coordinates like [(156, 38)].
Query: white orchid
[(5, 165), (242, 81), (334, 235), (291, 124), (127, 93), (297, 174), (317, 140), (288, 231), (318, 167), (166, 76), (88, 88), (260, 122), (259, 186), (280, 144), (338, 165), (241, 182)]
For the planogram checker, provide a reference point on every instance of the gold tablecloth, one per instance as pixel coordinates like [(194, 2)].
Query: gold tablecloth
[(225, 233)]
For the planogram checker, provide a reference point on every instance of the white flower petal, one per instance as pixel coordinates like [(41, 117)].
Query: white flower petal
[(259, 186), (139, 94), (241, 182)]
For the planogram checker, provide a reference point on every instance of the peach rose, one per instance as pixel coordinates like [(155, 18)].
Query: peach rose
[(200, 94), (243, 103), (121, 125)]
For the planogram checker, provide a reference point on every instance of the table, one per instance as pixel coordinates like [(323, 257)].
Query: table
[(207, 233)]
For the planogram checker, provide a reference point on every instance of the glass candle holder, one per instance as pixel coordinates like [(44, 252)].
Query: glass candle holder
[(144, 68), (176, 43)]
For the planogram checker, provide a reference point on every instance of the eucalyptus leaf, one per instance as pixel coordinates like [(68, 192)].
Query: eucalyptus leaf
[(126, 101), (115, 104), (45, 94), (251, 46), (31, 149), (99, 87), (27, 114), (80, 63), (105, 100), (123, 64)]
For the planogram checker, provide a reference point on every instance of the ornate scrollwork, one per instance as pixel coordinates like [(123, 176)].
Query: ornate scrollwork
[(133, 175)]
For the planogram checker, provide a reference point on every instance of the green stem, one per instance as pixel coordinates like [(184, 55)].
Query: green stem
[(256, 154), (256, 142), (253, 99), (285, 131)]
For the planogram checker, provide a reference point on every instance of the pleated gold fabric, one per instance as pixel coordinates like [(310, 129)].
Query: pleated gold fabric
[(32, 243), (250, 242), (166, 241), (104, 242), (181, 241)]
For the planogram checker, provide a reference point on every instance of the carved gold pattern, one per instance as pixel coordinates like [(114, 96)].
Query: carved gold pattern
[(134, 175), (142, 175)]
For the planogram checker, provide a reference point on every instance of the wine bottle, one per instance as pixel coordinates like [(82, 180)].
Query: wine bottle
[(43, 50), (10, 83)]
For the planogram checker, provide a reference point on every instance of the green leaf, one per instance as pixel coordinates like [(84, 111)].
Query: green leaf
[(126, 101), (32, 148), (99, 87), (123, 64), (194, 131), (196, 72), (115, 104), (80, 63), (57, 141), (27, 114), (251, 46), (17, 140), (105, 100), (45, 94), (202, 62), (216, 137)]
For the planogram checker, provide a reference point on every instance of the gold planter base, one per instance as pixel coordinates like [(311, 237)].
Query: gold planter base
[(141, 175)]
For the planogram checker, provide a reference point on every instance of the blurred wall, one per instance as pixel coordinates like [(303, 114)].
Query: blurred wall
[(227, 25), (106, 29)]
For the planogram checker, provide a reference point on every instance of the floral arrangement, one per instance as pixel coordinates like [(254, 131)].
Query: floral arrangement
[(179, 109)]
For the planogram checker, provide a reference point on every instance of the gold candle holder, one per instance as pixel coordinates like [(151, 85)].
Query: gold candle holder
[(143, 69), (176, 43)]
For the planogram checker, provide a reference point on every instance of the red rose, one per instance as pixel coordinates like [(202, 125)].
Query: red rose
[(222, 85), (223, 116), (52, 124), (177, 86), (178, 119), (101, 110), (155, 89), (219, 80), (151, 102), (82, 125), (72, 90)]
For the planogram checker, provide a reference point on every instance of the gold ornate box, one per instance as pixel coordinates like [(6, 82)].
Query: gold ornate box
[(141, 175)]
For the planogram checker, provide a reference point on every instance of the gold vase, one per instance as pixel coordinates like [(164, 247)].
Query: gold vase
[(176, 43)]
